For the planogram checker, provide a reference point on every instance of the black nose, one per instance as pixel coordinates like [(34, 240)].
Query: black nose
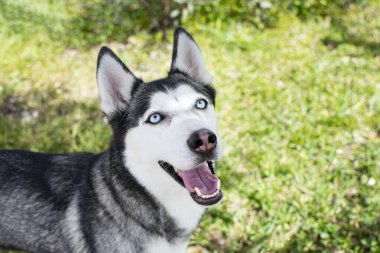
[(202, 141)]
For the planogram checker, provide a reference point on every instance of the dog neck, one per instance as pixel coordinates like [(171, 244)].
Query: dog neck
[(167, 192)]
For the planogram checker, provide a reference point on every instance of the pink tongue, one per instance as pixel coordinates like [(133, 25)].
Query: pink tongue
[(200, 177)]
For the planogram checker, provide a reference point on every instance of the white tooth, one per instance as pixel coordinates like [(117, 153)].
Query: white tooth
[(198, 192), (218, 185), (209, 196)]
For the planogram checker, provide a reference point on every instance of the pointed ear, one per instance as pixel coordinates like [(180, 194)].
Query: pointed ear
[(187, 58), (115, 82)]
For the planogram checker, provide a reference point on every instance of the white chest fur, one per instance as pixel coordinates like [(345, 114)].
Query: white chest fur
[(160, 245)]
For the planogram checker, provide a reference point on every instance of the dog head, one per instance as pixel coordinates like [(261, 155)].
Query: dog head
[(166, 128)]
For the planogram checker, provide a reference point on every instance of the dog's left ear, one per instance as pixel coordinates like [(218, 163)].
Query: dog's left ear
[(115, 81), (187, 58)]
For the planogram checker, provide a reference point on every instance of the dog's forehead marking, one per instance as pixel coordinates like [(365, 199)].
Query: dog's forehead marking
[(181, 98)]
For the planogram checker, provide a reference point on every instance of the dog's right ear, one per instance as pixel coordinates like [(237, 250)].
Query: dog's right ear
[(115, 81), (187, 58)]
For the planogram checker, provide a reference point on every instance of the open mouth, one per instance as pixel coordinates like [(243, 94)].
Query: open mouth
[(200, 181)]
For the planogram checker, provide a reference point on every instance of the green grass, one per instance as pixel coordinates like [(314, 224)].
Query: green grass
[(298, 109)]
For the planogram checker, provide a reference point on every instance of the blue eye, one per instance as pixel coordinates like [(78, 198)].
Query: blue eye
[(155, 118), (201, 104)]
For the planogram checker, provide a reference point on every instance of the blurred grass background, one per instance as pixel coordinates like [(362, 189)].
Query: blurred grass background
[(298, 105)]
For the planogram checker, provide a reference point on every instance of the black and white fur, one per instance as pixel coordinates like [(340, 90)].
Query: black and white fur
[(120, 200)]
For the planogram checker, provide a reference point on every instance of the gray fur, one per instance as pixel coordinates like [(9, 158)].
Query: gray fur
[(76, 207)]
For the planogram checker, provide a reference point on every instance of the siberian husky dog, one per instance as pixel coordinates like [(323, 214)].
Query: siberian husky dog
[(147, 192)]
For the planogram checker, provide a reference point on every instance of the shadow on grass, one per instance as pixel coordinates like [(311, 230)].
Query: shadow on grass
[(372, 47), (41, 120), (355, 39), (354, 235)]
